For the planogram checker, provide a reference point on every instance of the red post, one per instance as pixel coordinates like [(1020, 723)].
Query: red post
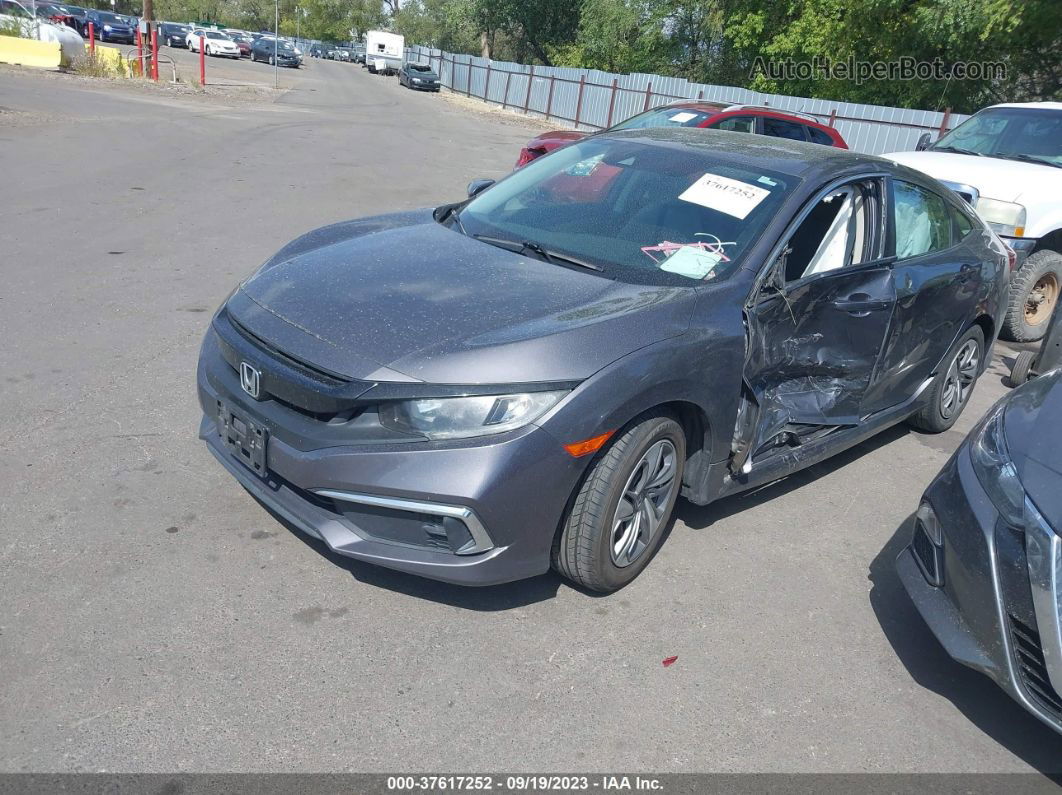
[(202, 60), (612, 101), (648, 95), (549, 100), (140, 51), (833, 116), (154, 53), (486, 87), (530, 82), (508, 79), (92, 39), (579, 100)]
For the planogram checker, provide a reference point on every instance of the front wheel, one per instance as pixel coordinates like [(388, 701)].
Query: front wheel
[(617, 519), (1034, 294), (953, 385)]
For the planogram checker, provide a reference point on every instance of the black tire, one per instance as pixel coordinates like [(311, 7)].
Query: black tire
[(938, 412), (585, 551), (1019, 373), (1041, 270)]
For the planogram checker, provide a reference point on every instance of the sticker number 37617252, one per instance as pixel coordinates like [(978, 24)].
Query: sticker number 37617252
[(730, 196)]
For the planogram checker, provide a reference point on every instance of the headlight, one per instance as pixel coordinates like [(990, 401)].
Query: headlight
[(1005, 218), (106, 27), (462, 417), (996, 470)]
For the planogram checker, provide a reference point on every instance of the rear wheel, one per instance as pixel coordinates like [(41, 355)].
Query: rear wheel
[(1019, 373), (618, 518), (951, 389), (1034, 294)]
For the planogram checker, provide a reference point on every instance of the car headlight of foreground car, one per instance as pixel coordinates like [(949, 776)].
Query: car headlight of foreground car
[(1005, 218), (999, 476), (464, 417)]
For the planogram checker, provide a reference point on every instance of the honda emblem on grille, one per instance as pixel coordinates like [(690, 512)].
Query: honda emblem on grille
[(250, 379)]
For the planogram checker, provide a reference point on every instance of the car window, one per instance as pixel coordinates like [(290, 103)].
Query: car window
[(780, 128), (963, 225), (13, 9), (817, 136), (835, 233), (744, 124), (648, 213), (1016, 133), (668, 117), (921, 218)]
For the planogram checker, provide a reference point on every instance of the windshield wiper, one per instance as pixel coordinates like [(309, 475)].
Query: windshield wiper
[(529, 245), (1027, 159), (957, 150)]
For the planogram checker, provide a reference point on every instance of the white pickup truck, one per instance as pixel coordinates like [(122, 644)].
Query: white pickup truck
[(1006, 160)]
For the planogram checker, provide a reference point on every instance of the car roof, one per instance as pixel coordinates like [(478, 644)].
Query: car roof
[(1033, 105), (796, 158)]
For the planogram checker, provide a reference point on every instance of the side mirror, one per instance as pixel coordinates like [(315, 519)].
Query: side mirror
[(477, 186), (923, 142)]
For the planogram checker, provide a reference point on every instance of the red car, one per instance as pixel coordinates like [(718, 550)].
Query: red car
[(697, 113)]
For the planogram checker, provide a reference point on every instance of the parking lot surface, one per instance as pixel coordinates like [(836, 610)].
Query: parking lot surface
[(156, 618)]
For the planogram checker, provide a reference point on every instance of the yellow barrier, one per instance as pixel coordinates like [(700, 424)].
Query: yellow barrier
[(30, 52), (111, 59)]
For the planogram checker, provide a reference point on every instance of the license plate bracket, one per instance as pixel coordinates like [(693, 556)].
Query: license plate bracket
[(244, 438)]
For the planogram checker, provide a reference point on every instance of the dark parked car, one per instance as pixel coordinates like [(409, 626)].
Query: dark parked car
[(419, 76), (704, 115), (534, 375), (264, 49), (111, 27), (71, 16), (173, 34), (985, 566)]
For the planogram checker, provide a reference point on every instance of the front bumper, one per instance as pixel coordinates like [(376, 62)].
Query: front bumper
[(513, 488), (424, 86), (997, 610)]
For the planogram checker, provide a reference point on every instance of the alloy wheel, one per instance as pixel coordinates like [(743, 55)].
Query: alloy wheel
[(959, 381), (640, 511)]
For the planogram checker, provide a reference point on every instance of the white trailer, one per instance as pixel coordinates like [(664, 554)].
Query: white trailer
[(384, 52)]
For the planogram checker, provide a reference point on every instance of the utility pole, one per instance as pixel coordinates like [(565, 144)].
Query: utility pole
[(276, 45)]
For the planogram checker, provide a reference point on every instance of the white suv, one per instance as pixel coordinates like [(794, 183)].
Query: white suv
[(1006, 161)]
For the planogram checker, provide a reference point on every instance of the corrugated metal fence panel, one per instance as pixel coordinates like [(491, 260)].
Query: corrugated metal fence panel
[(607, 98)]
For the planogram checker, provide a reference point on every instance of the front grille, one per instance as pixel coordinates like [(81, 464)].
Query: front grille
[(928, 555), (1032, 668)]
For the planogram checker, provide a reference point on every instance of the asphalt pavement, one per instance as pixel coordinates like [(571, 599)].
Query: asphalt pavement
[(156, 618)]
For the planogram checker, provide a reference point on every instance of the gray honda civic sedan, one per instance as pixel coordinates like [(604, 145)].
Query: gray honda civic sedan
[(534, 375), (984, 567)]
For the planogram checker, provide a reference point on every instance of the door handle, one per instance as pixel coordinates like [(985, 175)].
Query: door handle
[(860, 304)]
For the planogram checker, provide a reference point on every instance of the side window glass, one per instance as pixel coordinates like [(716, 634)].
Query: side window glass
[(817, 136), (780, 128), (744, 124), (832, 236), (922, 220), (963, 225)]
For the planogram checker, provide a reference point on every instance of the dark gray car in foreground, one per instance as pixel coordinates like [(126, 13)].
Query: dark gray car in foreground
[(536, 374), (985, 564)]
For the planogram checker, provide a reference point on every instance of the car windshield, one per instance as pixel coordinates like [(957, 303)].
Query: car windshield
[(213, 34), (110, 18), (1033, 134), (420, 67), (668, 117), (13, 9), (641, 211)]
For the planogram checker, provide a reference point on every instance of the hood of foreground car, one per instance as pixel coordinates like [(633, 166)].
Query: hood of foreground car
[(427, 303), (1033, 416), (994, 177)]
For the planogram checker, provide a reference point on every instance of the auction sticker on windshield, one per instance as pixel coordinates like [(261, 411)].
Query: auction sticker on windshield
[(730, 196)]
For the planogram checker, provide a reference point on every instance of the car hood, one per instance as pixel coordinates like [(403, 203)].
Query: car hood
[(403, 298), (1033, 416), (995, 178)]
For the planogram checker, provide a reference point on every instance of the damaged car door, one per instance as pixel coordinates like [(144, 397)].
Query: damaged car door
[(816, 324)]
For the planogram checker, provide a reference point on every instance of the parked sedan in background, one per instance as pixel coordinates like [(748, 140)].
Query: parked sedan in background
[(532, 376), (111, 27), (419, 76), (243, 42), (707, 115), (214, 43), (264, 49), (174, 34), (62, 14), (985, 565)]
